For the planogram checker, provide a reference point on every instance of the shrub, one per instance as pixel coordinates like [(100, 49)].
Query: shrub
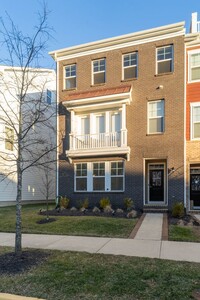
[(64, 202), (96, 210), (84, 203), (128, 203), (104, 202), (178, 210), (108, 209)]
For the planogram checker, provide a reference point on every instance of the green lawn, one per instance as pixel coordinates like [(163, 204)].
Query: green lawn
[(184, 233), (87, 226), (72, 275)]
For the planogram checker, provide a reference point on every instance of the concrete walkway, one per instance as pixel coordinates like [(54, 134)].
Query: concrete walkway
[(147, 243)]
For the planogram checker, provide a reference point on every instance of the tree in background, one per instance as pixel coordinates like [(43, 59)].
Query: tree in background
[(27, 119)]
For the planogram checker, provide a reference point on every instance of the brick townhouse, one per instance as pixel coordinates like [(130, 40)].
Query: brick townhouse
[(192, 46), (121, 120)]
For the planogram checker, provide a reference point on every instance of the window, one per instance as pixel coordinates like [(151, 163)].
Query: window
[(9, 138), (70, 76), (164, 59), (49, 96), (117, 175), (81, 177), (99, 71), (194, 66), (156, 116), (195, 121), (99, 176), (130, 65)]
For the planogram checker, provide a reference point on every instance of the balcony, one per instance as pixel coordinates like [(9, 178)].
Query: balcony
[(98, 144)]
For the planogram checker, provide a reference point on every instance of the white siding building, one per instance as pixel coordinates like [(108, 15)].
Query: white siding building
[(39, 87)]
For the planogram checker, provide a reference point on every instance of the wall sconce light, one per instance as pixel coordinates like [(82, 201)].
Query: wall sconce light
[(160, 87)]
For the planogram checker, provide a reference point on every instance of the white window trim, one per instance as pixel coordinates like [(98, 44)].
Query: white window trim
[(164, 59), (64, 77), (192, 105), (156, 101), (107, 178), (92, 68), (123, 68), (190, 53)]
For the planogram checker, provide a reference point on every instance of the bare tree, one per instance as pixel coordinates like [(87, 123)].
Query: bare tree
[(28, 120), (48, 182)]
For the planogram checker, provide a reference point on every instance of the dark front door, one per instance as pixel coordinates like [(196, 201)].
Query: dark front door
[(156, 185), (195, 188)]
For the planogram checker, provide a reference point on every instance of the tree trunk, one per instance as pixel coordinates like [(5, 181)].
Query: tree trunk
[(18, 234)]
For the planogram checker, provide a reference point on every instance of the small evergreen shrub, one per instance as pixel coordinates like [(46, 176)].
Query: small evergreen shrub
[(64, 202), (128, 203), (178, 210), (104, 202), (108, 209)]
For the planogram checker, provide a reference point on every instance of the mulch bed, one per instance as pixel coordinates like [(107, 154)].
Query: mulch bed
[(12, 264), (87, 212), (187, 220)]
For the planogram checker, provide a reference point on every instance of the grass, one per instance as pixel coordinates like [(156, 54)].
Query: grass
[(184, 233), (87, 226), (72, 275)]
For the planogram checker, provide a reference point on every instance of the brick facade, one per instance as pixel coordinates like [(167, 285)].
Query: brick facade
[(166, 148)]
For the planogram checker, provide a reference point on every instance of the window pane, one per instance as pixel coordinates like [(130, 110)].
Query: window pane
[(165, 66), (196, 114), (81, 184), (196, 130), (117, 183), (99, 78), (98, 183), (70, 83), (195, 59), (130, 72), (156, 125), (195, 73)]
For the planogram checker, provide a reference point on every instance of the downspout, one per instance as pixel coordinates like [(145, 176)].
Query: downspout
[(57, 126), (185, 163)]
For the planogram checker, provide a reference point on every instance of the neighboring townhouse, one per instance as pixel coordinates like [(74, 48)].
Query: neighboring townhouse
[(40, 96), (192, 44), (122, 118)]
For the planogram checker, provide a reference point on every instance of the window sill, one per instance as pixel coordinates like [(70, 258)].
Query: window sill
[(98, 84), (164, 74), (156, 133), (130, 79), (194, 81), (113, 192), (72, 89)]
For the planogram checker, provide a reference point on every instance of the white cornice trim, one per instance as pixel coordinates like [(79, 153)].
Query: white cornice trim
[(102, 101), (140, 37)]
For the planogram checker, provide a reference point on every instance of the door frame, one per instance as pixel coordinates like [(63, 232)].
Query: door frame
[(147, 164), (192, 166)]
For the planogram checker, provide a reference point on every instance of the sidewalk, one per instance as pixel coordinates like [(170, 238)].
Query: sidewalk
[(147, 243)]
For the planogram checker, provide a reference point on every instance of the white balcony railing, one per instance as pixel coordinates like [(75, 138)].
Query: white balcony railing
[(96, 141), (198, 26)]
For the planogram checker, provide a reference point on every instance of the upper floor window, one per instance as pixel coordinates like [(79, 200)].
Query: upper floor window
[(156, 116), (164, 59), (99, 71), (9, 138), (194, 66), (70, 76), (130, 65), (195, 121), (49, 96)]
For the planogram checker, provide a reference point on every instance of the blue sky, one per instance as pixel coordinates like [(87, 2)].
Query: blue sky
[(81, 21)]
